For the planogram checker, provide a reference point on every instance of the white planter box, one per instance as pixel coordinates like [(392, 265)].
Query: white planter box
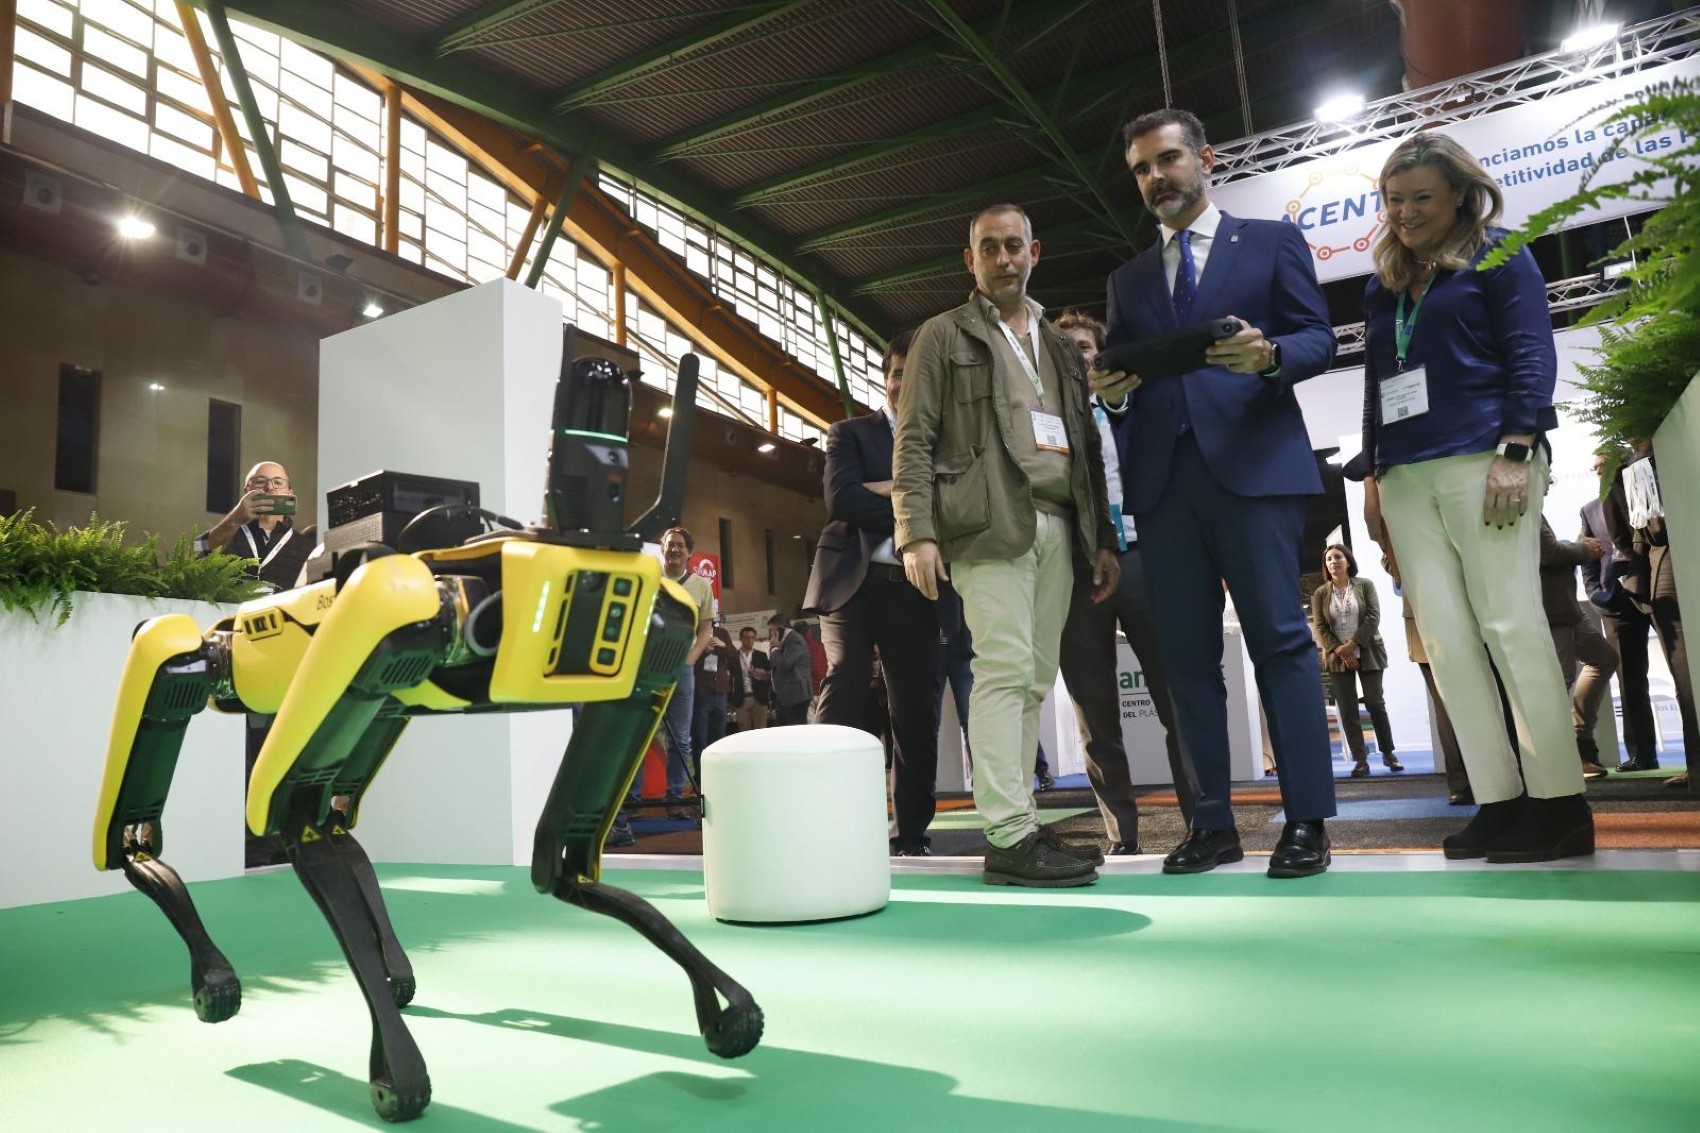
[(1676, 446), (57, 690)]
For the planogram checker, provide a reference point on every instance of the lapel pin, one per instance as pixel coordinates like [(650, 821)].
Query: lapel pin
[(1234, 239)]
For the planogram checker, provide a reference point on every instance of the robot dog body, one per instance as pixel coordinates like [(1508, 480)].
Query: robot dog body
[(512, 622)]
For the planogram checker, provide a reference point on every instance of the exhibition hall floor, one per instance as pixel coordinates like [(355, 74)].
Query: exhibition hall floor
[(1397, 992)]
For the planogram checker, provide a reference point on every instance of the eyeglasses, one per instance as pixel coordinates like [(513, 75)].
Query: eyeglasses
[(269, 482)]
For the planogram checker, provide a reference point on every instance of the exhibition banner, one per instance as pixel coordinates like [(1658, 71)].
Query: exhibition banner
[(1538, 152), (708, 566)]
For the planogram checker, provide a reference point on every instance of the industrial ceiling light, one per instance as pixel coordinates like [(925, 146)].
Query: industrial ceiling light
[(1339, 108), (156, 386), (664, 411), (1591, 36), (765, 446), (135, 228), (372, 309)]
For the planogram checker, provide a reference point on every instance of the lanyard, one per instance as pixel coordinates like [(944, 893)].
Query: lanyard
[(276, 547), (1021, 355), (1403, 328)]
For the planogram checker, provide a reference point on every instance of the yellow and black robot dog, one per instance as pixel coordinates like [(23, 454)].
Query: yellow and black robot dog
[(573, 612)]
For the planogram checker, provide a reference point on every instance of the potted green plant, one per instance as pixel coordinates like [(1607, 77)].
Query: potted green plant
[(1650, 330), (43, 567)]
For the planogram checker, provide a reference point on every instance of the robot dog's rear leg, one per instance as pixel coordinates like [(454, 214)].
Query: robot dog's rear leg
[(217, 991), (731, 1030), (400, 1086), (607, 746), (168, 677)]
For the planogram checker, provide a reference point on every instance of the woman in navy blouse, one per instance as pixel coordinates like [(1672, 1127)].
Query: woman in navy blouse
[(1457, 398)]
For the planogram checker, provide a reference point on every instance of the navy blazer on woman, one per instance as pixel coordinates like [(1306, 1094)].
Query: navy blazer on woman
[(1250, 429)]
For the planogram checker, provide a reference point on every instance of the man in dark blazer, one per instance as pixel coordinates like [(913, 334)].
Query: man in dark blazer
[(858, 587), (1218, 468)]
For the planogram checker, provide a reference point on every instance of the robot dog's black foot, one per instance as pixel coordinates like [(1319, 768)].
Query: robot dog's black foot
[(404, 1103), (734, 1031), (218, 994)]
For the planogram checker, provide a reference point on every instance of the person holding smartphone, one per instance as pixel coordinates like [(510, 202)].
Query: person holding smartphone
[(262, 527)]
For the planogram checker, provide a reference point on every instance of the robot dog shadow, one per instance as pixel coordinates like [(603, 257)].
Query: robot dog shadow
[(771, 1086)]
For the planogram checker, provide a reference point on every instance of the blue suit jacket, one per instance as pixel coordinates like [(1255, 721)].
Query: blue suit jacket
[(858, 451), (1250, 429)]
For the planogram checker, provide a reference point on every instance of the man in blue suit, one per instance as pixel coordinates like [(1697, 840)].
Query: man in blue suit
[(1217, 467), (857, 585)]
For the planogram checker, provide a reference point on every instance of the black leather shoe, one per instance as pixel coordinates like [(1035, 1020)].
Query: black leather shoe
[(1045, 781), (911, 852), (1037, 863), (1391, 762), (1360, 769), (1204, 850), (1302, 851), (1461, 798), (1639, 765), (1124, 849)]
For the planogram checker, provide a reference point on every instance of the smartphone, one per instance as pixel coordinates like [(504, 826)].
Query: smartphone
[(281, 505)]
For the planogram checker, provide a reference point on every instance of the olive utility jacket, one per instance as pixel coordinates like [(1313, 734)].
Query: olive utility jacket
[(955, 478)]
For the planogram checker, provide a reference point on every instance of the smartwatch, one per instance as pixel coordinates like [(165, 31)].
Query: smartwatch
[(1512, 450), (1274, 361)]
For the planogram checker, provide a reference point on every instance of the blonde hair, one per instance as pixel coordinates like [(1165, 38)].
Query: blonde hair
[(1479, 208)]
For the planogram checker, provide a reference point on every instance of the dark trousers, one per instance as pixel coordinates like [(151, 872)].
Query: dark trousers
[(889, 612), (709, 721), (1628, 636), (1198, 536), (1088, 662), (1344, 686), (1451, 759), (1667, 623), (956, 672)]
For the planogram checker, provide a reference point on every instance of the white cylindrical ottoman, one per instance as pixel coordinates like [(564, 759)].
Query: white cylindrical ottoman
[(794, 825)]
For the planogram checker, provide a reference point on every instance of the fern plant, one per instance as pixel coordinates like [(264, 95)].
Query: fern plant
[(42, 567), (1650, 336)]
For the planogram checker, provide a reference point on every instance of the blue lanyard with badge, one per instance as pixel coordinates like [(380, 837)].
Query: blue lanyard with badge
[(1049, 435), (1405, 395)]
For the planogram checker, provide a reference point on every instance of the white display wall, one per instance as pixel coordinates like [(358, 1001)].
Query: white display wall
[(460, 388)]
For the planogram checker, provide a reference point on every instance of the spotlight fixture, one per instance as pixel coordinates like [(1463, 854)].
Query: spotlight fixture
[(811, 442), (1339, 108), (1591, 36), (372, 309), (664, 411), (135, 228), (765, 446), (156, 386)]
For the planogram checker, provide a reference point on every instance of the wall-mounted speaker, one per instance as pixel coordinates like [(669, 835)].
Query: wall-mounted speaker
[(192, 246), (43, 191)]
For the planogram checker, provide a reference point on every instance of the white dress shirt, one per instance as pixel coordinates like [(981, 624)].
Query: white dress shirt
[(1203, 235)]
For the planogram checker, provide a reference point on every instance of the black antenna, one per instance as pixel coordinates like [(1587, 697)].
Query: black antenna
[(676, 462)]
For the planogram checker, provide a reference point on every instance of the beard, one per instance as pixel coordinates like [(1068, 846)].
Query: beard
[(1180, 198)]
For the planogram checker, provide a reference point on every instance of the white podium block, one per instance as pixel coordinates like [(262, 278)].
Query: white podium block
[(794, 825)]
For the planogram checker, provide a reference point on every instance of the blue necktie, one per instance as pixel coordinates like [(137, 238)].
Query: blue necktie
[(1186, 280)]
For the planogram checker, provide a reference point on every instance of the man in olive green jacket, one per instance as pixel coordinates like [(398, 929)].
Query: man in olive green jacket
[(997, 471)]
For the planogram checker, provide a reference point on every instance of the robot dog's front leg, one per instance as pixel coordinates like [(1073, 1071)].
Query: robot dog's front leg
[(169, 676), (603, 757)]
